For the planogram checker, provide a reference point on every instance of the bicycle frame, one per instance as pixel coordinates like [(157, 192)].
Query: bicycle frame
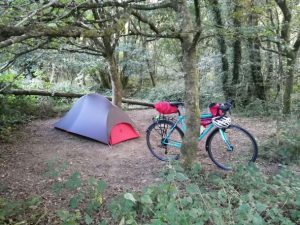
[(180, 122)]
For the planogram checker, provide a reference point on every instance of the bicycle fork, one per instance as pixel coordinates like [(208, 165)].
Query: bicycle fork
[(226, 140)]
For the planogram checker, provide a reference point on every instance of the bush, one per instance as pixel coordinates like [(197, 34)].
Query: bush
[(17, 110), (284, 147), (21, 212), (172, 90), (244, 197)]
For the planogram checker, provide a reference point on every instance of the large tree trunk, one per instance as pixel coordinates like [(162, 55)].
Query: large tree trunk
[(222, 47), (237, 48), (114, 73), (191, 80)]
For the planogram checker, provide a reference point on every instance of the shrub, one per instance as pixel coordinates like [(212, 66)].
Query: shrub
[(244, 197), (21, 211), (284, 147)]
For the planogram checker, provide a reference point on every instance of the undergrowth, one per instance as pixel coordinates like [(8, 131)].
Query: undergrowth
[(284, 146), (16, 110), (244, 197)]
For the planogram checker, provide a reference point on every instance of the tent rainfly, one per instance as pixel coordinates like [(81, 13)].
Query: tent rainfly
[(93, 116)]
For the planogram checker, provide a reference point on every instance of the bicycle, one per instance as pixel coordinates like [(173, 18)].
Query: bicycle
[(226, 144)]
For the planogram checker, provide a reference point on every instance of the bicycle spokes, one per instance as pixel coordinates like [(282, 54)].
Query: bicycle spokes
[(163, 139), (232, 146)]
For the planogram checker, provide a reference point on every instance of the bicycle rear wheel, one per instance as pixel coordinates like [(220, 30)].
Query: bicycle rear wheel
[(162, 148), (244, 147)]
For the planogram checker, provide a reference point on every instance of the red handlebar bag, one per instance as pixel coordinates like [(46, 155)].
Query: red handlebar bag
[(215, 109), (165, 108)]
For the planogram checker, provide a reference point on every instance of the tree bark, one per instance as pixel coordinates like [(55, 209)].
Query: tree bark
[(255, 60), (115, 78), (291, 53), (104, 78), (256, 73), (237, 48), (222, 47), (270, 68), (288, 90), (191, 81)]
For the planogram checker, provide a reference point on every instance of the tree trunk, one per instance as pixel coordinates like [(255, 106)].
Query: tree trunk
[(191, 81), (270, 68), (256, 73), (115, 78), (290, 52), (288, 89), (151, 70), (237, 48), (104, 78), (222, 47), (255, 61)]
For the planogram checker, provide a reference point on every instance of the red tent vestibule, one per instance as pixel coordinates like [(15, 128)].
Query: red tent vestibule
[(122, 132)]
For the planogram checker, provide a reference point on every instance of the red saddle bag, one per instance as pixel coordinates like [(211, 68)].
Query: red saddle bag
[(165, 108)]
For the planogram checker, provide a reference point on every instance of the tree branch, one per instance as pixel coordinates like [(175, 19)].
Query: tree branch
[(16, 56), (145, 20), (297, 43), (12, 34), (67, 95), (35, 12), (271, 50), (127, 4)]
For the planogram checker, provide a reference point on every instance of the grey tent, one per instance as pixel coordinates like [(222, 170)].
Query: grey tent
[(93, 116)]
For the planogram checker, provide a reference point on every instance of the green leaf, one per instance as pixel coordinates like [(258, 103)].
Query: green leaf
[(129, 197), (101, 185), (297, 203), (260, 207), (74, 181), (146, 199), (87, 219), (74, 201), (181, 177), (243, 210), (57, 187), (186, 201), (257, 219), (63, 215), (192, 189), (194, 213)]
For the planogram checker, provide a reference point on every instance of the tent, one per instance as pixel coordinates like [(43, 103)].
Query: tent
[(93, 116)]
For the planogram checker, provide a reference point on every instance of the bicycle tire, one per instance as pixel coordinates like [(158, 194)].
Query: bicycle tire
[(156, 132), (242, 142)]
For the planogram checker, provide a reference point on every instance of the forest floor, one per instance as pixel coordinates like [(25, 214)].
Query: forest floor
[(128, 166)]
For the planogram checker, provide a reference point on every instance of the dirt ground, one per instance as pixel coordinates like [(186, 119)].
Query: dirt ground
[(128, 166)]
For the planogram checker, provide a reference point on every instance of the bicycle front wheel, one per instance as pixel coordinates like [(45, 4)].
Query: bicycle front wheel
[(240, 149), (164, 140)]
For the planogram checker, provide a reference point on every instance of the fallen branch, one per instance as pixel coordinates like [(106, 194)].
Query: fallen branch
[(67, 95)]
